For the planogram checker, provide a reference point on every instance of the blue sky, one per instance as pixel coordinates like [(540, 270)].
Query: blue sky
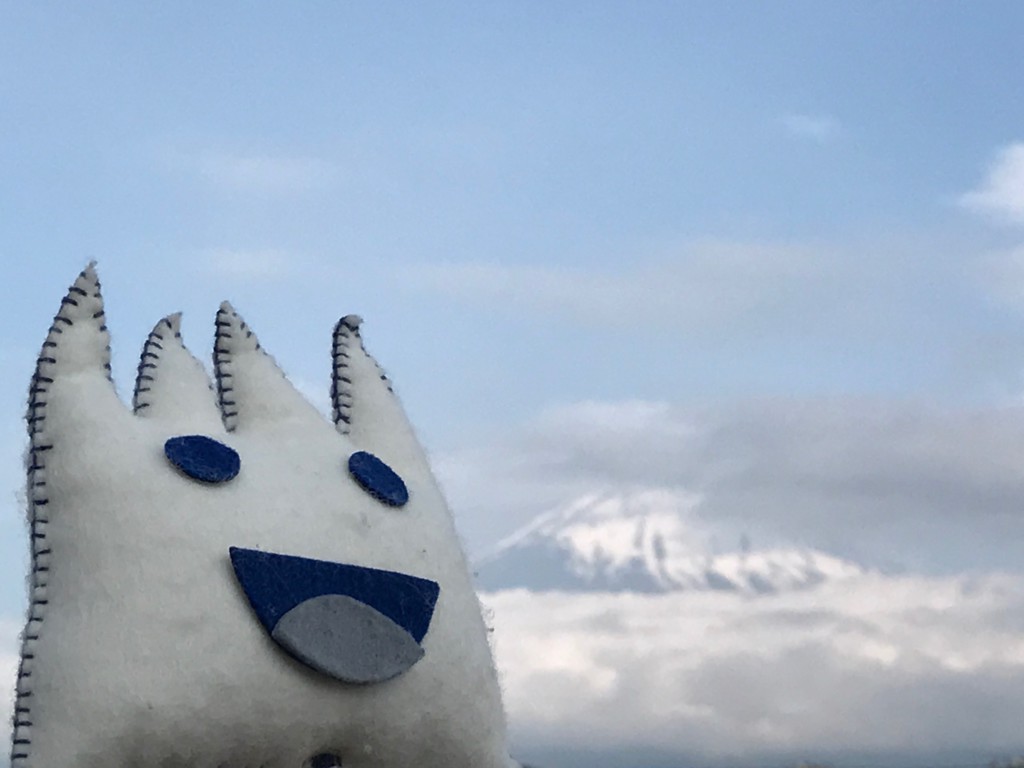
[(531, 205), (455, 173), (339, 146), (788, 224)]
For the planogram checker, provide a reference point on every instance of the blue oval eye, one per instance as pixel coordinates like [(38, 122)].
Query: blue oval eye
[(203, 458), (378, 479)]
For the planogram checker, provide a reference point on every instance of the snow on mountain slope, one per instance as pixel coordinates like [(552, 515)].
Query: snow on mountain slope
[(642, 541)]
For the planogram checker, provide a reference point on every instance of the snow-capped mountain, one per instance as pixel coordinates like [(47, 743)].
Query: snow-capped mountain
[(642, 541)]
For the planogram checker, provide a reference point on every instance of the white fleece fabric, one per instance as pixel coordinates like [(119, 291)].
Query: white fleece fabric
[(140, 647)]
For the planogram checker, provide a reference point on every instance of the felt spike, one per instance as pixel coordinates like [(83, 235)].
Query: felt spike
[(72, 376), (70, 384), (72, 373), (171, 384), (364, 405), (252, 390), (78, 340)]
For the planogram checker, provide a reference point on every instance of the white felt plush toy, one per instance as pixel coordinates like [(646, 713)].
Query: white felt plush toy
[(223, 579)]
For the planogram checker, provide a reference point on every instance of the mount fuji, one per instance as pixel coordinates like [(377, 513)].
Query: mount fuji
[(643, 541)]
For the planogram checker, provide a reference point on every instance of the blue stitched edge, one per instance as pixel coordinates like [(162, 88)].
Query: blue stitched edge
[(38, 502)]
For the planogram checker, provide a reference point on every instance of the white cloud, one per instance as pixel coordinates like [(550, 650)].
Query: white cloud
[(876, 664), (818, 128), (886, 483), (704, 282), (240, 264), (1001, 194), (262, 174)]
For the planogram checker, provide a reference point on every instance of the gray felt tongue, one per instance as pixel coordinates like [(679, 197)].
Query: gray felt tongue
[(347, 639)]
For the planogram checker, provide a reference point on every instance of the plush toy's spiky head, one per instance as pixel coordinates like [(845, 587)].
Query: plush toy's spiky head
[(223, 579)]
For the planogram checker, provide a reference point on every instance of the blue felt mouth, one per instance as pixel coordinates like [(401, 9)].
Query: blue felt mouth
[(356, 624)]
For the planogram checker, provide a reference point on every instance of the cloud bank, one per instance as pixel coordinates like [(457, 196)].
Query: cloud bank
[(1000, 195), (922, 656), (708, 282), (892, 484), (873, 665)]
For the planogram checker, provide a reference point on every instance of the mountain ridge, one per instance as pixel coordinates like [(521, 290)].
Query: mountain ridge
[(643, 541)]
